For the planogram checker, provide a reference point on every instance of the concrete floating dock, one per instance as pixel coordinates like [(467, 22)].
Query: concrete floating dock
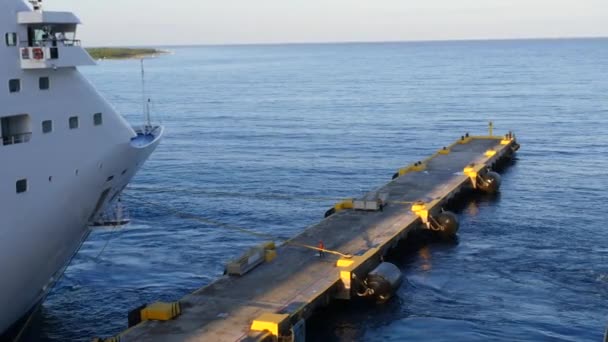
[(272, 301)]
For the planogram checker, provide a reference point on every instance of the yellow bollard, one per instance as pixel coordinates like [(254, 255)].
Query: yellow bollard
[(491, 127)]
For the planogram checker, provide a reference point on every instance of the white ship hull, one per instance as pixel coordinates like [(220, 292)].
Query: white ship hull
[(65, 153), (41, 232)]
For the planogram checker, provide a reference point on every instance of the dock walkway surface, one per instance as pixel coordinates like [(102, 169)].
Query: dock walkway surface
[(279, 295)]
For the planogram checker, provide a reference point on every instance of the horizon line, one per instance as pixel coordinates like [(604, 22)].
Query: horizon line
[(357, 42)]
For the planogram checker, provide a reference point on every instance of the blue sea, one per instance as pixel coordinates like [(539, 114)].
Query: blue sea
[(265, 136)]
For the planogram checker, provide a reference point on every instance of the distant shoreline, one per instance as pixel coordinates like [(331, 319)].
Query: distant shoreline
[(372, 42), (124, 53), (135, 52)]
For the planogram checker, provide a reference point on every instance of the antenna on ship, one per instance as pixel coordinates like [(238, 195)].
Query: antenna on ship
[(145, 102), (36, 4)]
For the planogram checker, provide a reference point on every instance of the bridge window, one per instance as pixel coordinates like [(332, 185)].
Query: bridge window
[(11, 39), (73, 122), (97, 119), (51, 35), (47, 126), (21, 186), (14, 85), (16, 129), (44, 83)]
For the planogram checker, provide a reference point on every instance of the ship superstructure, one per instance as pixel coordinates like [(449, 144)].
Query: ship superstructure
[(65, 153)]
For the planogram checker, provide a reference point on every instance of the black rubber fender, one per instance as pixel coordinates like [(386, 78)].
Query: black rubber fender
[(330, 212), (489, 182), (384, 281), (448, 224)]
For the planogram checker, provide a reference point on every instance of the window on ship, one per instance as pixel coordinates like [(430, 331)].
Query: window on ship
[(47, 126), (52, 35), (44, 83), (21, 186), (16, 129), (97, 119), (10, 39), (14, 85), (73, 122)]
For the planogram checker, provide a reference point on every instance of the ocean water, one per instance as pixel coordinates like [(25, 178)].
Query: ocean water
[(256, 133)]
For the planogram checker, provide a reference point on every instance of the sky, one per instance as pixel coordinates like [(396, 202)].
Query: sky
[(189, 22)]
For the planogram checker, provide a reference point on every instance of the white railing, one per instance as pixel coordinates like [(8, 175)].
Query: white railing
[(16, 138), (51, 43), (45, 49), (39, 53), (44, 57)]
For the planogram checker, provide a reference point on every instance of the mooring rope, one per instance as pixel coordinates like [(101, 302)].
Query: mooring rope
[(189, 216), (105, 245), (261, 196)]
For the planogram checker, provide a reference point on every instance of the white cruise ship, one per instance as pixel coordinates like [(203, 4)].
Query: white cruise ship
[(65, 153)]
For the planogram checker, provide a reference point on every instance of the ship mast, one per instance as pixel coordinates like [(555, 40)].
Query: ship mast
[(145, 102)]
